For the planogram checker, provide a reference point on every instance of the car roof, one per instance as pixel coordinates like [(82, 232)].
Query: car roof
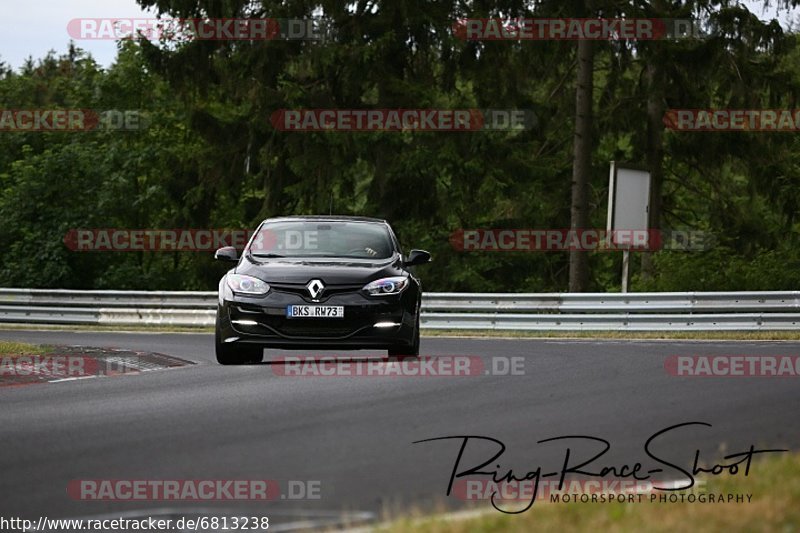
[(331, 218)]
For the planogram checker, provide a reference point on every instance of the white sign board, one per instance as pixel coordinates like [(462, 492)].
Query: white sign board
[(628, 207)]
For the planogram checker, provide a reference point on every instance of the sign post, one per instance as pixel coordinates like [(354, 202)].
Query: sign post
[(628, 212)]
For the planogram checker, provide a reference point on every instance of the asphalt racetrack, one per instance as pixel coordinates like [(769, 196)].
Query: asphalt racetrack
[(348, 441)]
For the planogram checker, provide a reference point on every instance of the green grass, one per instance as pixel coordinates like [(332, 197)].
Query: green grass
[(16, 349), (775, 506), (119, 329), (646, 335)]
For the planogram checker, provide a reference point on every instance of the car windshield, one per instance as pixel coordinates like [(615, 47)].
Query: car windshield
[(357, 240)]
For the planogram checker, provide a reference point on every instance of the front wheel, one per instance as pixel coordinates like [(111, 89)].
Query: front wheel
[(238, 355), (233, 354), (408, 350)]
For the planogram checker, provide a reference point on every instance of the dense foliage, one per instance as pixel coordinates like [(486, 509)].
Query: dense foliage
[(209, 157)]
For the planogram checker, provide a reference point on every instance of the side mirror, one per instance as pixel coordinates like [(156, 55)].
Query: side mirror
[(226, 253), (417, 257)]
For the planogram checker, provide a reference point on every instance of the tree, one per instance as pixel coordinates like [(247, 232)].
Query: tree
[(582, 162)]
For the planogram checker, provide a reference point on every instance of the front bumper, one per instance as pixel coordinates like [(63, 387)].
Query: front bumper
[(263, 321)]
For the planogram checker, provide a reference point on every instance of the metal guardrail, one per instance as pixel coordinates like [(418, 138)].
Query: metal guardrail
[(668, 311)]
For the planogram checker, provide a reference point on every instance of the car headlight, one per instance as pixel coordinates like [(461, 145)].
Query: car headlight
[(386, 286), (241, 284)]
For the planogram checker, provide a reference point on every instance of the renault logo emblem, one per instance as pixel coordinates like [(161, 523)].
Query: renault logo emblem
[(315, 288)]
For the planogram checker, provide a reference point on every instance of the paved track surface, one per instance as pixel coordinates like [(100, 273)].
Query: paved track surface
[(353, 435)]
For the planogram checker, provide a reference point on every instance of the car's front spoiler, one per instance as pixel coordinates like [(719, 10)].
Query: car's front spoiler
[(254, 325)]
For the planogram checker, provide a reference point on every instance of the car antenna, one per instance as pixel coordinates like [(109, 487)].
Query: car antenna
[(330, 209)]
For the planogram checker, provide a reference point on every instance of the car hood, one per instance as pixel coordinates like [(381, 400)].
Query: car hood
[(330, 271)]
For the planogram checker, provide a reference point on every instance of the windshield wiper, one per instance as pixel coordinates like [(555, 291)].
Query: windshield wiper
[(267, 255)]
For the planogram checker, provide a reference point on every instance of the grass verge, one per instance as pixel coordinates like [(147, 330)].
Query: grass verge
[(17, 349), (774, 484), (621, 335)]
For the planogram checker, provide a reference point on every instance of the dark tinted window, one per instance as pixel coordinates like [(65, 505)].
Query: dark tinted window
[(358, 240)]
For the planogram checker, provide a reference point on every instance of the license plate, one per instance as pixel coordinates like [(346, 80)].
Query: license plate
[(315, 311)]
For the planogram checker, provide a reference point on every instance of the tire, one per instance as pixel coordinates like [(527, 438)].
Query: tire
[(239, 354), (233, 354), (408, 350)]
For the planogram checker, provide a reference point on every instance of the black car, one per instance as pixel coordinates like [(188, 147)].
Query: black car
[(319, 282)]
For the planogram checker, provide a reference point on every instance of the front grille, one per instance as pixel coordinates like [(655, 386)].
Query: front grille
[(301, 290), (318, 328), (291, 329), (272, 321)]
